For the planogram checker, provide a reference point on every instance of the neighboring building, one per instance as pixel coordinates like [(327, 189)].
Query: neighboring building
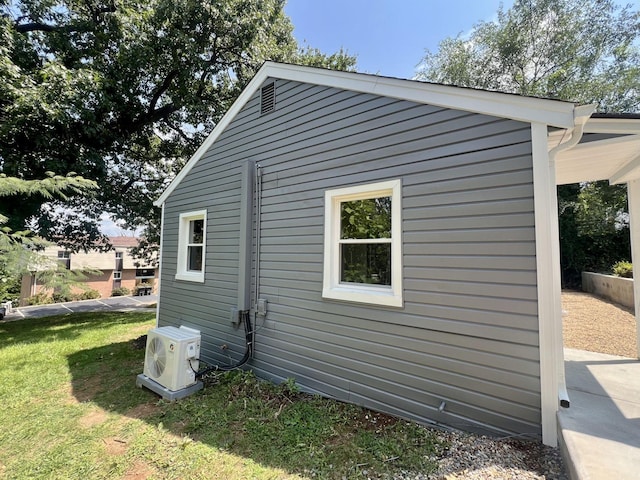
[(118, 268), (396, 241)]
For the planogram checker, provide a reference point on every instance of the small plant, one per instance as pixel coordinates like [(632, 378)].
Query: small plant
[(61, 297), (38, 299), (623, 269), (290, 386), (89, 294), (120, 292)]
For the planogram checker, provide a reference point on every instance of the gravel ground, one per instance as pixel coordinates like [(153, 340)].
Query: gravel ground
[(589, 323), (596, 325)]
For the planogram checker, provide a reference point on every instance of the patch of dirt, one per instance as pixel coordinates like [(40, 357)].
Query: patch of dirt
[(142, 411), (86, 389), (139, 471), (139, 343), (115, 446), (597, 325), (93, 418), (374, 421)]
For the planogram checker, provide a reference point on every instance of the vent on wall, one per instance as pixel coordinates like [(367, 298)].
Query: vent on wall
[(268, 99)]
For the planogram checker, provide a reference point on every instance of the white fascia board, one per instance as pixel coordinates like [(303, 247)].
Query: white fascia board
[(621, 126), (525, 109)]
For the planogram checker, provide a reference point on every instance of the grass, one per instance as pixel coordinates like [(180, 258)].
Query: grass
[(70, 410)]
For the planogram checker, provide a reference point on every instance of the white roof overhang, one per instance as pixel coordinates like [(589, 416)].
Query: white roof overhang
[(526, 109), (616, 159)]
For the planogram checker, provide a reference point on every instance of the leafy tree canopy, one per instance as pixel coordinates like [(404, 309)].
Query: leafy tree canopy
[(580, 50), (123, 93)]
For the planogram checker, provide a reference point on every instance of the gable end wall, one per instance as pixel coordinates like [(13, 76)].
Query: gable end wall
[(468, 332)]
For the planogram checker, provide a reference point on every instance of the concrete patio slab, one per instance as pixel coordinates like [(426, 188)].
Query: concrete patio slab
[(600, 432)]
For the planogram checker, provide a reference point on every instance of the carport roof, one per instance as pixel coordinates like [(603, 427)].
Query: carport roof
[(609, 150)]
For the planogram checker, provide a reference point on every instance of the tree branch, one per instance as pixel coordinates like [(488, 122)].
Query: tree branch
[(162, 89)]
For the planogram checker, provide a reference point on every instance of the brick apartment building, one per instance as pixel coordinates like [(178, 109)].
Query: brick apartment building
[(118, 269)]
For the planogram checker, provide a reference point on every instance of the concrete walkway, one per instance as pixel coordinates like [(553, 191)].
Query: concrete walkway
[(600, 432)]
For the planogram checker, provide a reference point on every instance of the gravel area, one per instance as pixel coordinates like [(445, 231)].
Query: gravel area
[(597, 325), (589, 323), (476, 457)]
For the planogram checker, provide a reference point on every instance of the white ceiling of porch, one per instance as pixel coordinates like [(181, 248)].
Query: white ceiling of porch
[(614, 159)]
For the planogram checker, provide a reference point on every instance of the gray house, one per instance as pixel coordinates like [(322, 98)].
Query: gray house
[(395, 242)]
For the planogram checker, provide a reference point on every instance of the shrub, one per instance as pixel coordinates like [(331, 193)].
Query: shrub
[(38, 299), (120, 292), (623, 269), (89, 294), (61, 297)]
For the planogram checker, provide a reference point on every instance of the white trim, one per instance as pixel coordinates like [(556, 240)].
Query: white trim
[(548, 280), (183, 239), (332, 288), (525, 109), (160, 265), (633, 194), (621, 126), (627, 173)]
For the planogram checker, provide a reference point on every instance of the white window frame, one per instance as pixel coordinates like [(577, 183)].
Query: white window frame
[(332, 288), (183, 243), (117, 275)]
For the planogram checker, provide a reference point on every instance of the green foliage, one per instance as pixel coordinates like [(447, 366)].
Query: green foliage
[(585, 51), (120, 292), (41, 298), (123, 93), (623, 269), (594, 230), (10, 288)]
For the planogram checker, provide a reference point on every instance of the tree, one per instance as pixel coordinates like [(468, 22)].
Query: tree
[(123, 93), (19, 249), (584, 51)]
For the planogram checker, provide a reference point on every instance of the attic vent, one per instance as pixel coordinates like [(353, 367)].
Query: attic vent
[(268, 99)]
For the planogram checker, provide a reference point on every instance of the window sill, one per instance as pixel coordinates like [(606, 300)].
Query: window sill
[(371, 296), (197, 277)]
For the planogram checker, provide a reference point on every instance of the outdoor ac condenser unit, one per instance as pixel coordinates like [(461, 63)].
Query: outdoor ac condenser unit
[(171, 359)]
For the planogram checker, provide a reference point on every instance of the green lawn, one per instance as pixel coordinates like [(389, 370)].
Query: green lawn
[(70, 409)]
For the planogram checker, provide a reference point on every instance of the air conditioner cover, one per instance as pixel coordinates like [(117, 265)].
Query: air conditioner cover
[(172, 356)]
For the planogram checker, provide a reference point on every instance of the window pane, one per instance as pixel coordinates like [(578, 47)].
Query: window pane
[(194, 258), (369, 218), (195, 231), (366, 263)]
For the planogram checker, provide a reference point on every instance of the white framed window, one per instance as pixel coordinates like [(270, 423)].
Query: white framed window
[(191, 246), (64, 257), (363, 244), (117, 275)]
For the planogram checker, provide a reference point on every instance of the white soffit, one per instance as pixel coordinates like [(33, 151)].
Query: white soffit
[(614, 159), (526, 109)]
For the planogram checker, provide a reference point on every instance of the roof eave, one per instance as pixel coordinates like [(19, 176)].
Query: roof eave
[(525, 109)]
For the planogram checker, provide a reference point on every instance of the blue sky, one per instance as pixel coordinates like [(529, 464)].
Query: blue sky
[(388, 37)]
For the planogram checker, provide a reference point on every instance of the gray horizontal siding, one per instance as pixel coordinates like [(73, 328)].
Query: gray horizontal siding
[(468, 332)]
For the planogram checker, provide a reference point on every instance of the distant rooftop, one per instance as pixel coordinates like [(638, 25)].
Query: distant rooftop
[(124, 242)]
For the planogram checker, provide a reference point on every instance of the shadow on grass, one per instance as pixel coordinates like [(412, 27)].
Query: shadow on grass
[(272, 425)]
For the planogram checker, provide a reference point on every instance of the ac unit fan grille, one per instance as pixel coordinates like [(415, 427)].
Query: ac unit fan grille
[(157, 357)]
